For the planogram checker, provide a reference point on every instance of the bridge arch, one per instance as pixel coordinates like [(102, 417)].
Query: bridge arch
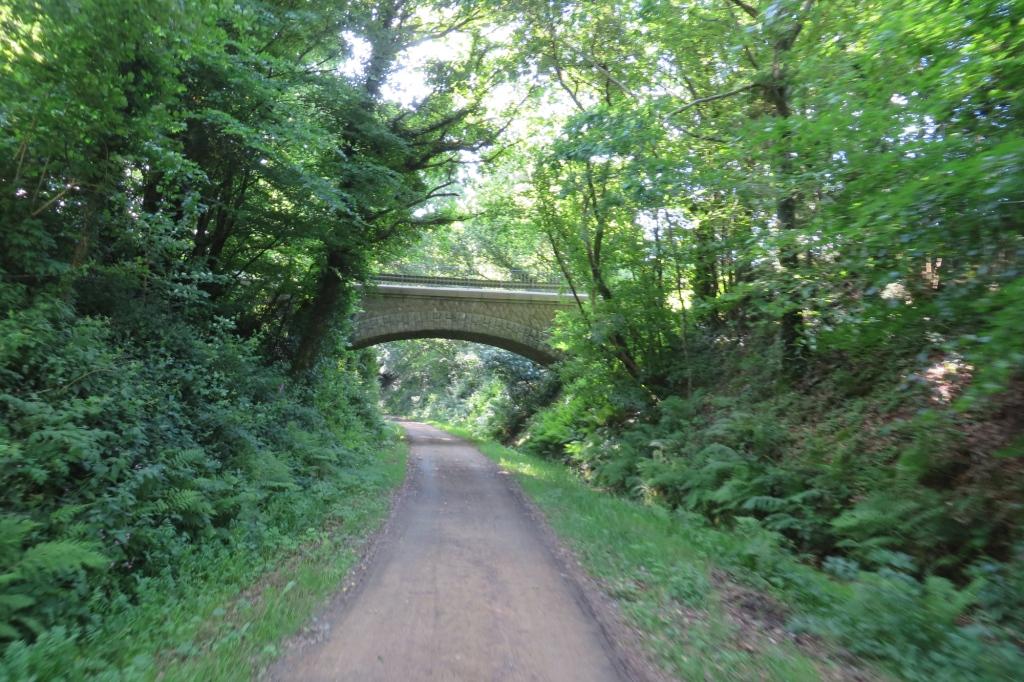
[(466, 327), (516, 320)]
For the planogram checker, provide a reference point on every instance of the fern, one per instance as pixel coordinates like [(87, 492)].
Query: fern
[(764, 503), (26, 568), (61, 556)]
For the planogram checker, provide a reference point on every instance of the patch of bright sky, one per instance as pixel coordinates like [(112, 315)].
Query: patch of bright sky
[(536, 124), (359, 54), (408, 83)]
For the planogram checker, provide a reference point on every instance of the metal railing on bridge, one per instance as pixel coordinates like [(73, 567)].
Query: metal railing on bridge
[(439, 276)]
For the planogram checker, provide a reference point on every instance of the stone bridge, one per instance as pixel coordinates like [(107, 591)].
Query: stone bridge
[(516, 316)]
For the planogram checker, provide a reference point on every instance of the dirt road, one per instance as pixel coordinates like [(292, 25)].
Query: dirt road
[(464, 586)]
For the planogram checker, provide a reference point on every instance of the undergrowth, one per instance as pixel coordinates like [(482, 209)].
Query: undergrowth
[(222, 613), (671, 571), (154, 459), (894, 495)]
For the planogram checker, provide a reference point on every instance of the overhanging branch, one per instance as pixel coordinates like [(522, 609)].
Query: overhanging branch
[(712, 98)]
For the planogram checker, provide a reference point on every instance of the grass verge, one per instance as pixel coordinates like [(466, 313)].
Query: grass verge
[(672, 580)]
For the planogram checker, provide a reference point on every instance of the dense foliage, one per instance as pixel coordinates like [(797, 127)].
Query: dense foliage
[(831, 185), (188, 192), (795, 233)]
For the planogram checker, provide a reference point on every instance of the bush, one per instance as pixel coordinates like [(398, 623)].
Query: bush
[(551, 431), (916, 627), (123, 454)]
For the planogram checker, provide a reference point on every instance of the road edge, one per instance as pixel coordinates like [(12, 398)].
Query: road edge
[(319, 624)]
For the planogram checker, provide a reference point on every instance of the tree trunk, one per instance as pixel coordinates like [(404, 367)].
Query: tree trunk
[(705, 269), (320, 314), (777, 95), (792, 322)]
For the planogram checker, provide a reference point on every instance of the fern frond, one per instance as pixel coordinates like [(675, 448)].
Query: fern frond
[(764, 503), (60, 556)]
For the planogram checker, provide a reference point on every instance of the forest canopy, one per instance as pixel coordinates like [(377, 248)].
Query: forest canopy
[(792, 231)]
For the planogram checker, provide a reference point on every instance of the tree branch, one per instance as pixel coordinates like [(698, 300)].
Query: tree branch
[(712, 98), (749, 10), (608, 74)]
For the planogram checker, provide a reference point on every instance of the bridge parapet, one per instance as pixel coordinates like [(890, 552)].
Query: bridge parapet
[(525, 284)]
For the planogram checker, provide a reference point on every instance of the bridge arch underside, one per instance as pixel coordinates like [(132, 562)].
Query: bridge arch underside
[(492, 331)]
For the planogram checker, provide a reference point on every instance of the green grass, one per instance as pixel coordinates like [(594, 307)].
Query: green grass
[(224, 617), (240, 633), (666, 574)]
